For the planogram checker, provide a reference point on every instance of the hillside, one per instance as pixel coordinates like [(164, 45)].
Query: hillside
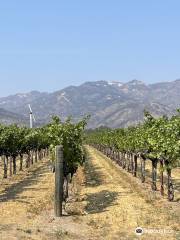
[(8, 117), (114, 104)]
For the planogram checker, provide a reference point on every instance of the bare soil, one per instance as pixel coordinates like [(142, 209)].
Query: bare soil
[(105, 203)]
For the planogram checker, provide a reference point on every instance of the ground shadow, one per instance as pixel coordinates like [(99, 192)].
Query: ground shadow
[(99, 202), (177, 184), (93, 175), (12, 192)]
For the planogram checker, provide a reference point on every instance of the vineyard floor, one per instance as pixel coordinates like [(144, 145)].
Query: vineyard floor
[(26, 207), (22, 197), (105, 203), (117, 204)]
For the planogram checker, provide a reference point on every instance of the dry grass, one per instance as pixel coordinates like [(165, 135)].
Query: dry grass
[(22, 197), (26, 207), (175, 178), (105, 203), (116, 204)]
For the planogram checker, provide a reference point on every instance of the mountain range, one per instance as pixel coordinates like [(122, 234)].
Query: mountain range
[(110, 103)]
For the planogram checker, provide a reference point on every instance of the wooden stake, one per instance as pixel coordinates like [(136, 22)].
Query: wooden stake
[(59, 176)]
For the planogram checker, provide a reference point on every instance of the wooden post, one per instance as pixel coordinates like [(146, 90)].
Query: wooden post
[(59, 181), (32, 157), (131, 163), (162, 176), (36, 156), (21, 162), (135, 166), (154, 174), (143, 171), (170, 186), (14, 164), (5, 161), (10, 166)]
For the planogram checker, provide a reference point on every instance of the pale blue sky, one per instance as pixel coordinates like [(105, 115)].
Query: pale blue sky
[(49, 44)]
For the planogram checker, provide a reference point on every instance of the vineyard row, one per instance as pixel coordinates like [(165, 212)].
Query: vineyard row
[(28, 145), (157, 140)]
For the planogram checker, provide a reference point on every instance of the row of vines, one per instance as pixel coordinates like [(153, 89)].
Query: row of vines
[(157, 140), (25, 145)]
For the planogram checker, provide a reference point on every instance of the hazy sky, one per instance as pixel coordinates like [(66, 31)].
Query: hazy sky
[(49, 44)]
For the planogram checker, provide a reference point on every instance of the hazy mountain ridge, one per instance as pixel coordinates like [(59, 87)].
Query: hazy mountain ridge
[(110, 103), (8, 117)]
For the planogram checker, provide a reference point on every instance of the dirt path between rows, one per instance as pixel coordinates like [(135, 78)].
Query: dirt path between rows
[(105, 203), (22, 197), (116, 205)]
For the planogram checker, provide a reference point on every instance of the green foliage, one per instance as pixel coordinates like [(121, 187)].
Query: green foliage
[(16, 140), (156, 138), (70, 136)]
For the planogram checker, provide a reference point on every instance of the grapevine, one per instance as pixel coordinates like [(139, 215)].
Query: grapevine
[(31, 145), (157, 139)]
